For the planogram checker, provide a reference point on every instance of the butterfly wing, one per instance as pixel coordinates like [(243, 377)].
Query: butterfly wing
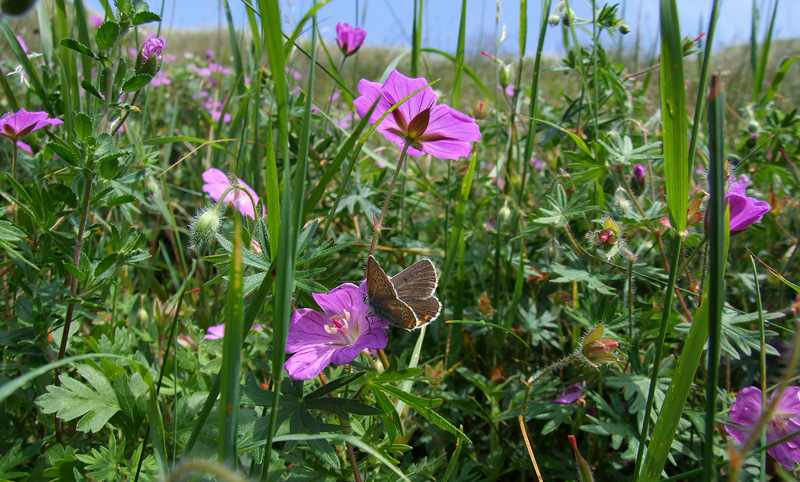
[(425, 310), (382, 298), (417, 281)]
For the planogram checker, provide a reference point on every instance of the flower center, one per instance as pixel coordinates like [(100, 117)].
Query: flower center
[(341, 324)]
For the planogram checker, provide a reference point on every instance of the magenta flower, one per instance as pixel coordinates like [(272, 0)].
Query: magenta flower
[(349, 38), (336, 336), (217, 182), (153, 46), (745, 210), (746, 411), (571, 394), (509, 90), (18, 125), (160, 79), (96, 21), (438, 130), (22, 44), (217, 332), (639, 173)]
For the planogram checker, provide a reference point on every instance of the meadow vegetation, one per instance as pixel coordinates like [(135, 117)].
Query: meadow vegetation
[(203, 244)]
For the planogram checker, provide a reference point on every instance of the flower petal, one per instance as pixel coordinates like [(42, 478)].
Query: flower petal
[(308, 363)]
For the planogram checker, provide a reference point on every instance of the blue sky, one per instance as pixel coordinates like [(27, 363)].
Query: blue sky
[(388, 22)]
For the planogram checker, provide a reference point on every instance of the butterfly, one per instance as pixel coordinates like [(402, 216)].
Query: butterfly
[(407, 300)]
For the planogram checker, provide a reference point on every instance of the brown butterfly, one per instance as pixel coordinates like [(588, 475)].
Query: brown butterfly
[(407, 300)]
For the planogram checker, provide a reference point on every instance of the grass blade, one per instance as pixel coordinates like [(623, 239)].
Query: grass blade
[(716, 238), (232, 352), (764, 57), (459, 68), (673, 116)]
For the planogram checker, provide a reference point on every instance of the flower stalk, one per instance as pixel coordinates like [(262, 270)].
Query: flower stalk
[(379, 224)]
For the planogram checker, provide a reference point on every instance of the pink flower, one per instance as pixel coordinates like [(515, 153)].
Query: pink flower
[(217, 182), (336, 336), (22, 44), (746, 411), (153, 46), (18, 125), (639, 173), (571, 394), (438, 130), (160, 79), (294, 73), (217, 332), (96, 21), (25, 147), (745, 210), (210, 54), (215, 67), (349, 38), (509, 90)]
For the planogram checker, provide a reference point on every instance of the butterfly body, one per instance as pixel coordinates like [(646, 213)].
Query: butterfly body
[(407, 300)]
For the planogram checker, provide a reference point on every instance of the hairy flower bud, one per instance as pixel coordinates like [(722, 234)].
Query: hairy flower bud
[(597, 351), (203, 228), (584, 471)]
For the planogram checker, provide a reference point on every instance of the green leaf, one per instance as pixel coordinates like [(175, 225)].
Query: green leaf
[(74, 399), (83, 126), (73, 44), (145, 17), (64, 152), (106, 35), (88, 87), (422, 405), (103, 464), (136, 82)]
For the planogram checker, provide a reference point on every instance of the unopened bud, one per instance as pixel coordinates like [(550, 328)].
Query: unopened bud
[(597, 351), (624, 28), (505, 212), (203, 228), (584, 471), (506, 75), (554, 20), (150, 57), (142, 316)]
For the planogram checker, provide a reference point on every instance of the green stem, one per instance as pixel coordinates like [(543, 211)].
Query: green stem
[(662, 334), (73, 281), (379, 225), (538, 376)]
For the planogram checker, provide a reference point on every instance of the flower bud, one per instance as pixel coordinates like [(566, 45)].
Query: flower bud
[(639, 173), (584, 471), (624, 28), (506, 74), (142, 316), (597, 351), (478, 110), (349, 38), (163, 313), (150, 56), (554, 20), (567, 14), (505, 212), (203, 227)]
